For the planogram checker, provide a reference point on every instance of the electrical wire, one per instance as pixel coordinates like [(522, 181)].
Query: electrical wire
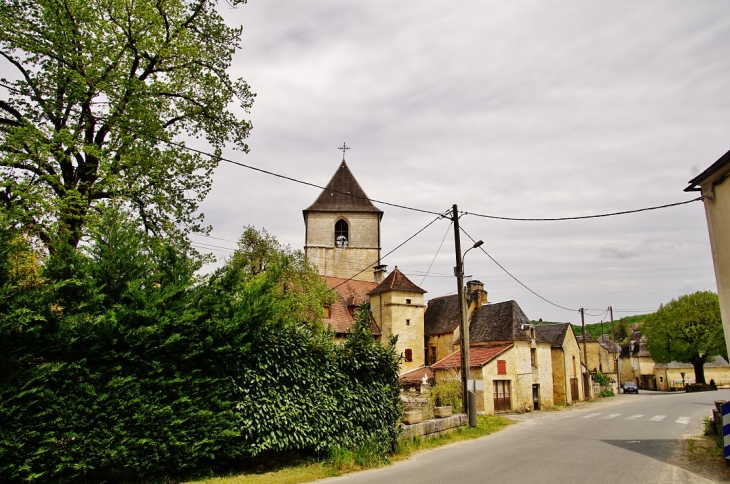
[(448, 229), (440, 216), (513, 277), (583, 217), (296, 180)]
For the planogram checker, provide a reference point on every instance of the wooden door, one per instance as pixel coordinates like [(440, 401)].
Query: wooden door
[(574, 389), (502, 402)]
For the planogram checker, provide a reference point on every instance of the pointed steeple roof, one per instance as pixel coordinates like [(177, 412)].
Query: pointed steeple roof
[(343, 194), (396, 281)]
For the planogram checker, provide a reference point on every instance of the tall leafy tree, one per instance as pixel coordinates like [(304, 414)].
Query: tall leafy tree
[(687, 329), (95, 93)]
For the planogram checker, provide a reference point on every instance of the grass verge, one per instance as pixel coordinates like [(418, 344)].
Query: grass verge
[(343, 461)]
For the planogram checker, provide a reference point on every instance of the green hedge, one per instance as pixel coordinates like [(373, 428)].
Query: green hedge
[(130, 369)]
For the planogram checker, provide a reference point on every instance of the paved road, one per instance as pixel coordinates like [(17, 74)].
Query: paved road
[(625, 439)]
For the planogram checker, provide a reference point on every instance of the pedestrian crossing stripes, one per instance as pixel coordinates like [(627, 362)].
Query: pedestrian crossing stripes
[(655, 418)]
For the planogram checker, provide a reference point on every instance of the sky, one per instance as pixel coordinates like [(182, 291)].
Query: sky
[(534, 109)]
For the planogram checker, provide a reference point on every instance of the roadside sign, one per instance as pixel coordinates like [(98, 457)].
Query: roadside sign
[(726, 429)]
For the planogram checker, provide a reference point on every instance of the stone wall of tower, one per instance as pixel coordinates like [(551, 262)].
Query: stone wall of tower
[(362, 252), (401, 313)]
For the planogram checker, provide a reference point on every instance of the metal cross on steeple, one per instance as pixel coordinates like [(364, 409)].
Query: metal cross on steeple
[(343, 148)]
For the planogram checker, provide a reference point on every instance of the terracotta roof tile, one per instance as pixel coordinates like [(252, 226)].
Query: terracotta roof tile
[(343, 194), (349, 293), (416, 376), (478, 357), (396, 281)]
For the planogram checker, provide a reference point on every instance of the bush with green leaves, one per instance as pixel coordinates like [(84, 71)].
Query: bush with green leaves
[(119, 364), (446, 394)]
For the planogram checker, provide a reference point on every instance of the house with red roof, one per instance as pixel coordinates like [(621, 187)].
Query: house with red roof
[(510, 362)]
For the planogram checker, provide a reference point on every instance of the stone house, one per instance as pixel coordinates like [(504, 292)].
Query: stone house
[(510, 362), (601, 357), (566, 362), (636, 363), (673, 376), (442, 321)]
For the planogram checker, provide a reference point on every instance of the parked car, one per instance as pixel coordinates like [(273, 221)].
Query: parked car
[(630, 387)]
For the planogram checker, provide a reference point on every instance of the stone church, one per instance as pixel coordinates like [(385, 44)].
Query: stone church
[(342, 239)]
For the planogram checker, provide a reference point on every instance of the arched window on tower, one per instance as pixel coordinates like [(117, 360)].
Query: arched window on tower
[(342, 235)]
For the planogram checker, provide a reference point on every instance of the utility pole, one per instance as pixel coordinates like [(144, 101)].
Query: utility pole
[(459, 273), (615, 358), (586, 383)]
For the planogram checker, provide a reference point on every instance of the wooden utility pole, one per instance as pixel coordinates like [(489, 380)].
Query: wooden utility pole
[(586, 383), (459, 273), (615, 358)]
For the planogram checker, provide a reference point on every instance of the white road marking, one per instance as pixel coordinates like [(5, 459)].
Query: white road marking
[(634, 417), (658, 418), (613, 415), (590, 415), (683, 420)]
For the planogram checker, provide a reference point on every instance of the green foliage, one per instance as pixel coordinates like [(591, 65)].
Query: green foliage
[(118, 364), (688, 329), (601, 379), (446, 394), (99, 91), (607, 393)]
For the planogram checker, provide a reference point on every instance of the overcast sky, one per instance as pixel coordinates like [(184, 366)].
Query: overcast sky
[(517, 109)]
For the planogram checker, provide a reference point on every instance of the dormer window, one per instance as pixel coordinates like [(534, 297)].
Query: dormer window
[(342, 234)]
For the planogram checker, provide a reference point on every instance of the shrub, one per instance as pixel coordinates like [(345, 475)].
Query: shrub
[(446, 394)]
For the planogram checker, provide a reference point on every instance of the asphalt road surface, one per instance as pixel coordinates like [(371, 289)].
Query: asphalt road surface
[(624, 439)]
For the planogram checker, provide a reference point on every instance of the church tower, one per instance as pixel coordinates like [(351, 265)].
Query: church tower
[(343, 230)]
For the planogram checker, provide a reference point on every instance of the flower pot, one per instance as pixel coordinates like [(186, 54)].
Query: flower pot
[(442, 412), (412, 417)]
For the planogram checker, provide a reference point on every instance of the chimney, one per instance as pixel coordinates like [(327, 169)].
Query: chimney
[(379, 273), (476, 296)]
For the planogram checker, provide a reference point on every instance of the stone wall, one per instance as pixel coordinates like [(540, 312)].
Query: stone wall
[(433, 428)]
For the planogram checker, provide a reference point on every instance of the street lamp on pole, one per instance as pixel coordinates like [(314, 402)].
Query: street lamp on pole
[(468, 399)]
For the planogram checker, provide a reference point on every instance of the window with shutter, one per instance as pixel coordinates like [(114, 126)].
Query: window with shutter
[(409, 355), (501, 367)]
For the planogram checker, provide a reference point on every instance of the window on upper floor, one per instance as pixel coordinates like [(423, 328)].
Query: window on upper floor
[(342, 234), (433, 355), (409, 354), (408, 301), (501, 367), (327, 311), (533, 357), (408, 322)]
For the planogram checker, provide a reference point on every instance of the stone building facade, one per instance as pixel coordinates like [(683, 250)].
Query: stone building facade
[(342, 230)]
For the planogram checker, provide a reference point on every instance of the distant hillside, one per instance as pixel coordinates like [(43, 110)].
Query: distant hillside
[(622, 327)]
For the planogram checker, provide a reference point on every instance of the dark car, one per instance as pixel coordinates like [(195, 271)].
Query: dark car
[(630, 387)]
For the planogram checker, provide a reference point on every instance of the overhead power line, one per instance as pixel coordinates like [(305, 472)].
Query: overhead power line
[(481, 247), (583, 217), (440, 216), (390, 204)]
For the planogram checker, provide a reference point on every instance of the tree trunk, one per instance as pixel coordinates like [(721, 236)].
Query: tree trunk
[(699, 364)]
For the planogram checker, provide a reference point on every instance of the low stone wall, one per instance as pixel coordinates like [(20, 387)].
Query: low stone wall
[(434, 427)]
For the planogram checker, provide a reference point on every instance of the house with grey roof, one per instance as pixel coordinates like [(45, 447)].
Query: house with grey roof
[(568, 372), (511, 369), (674, 375)]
